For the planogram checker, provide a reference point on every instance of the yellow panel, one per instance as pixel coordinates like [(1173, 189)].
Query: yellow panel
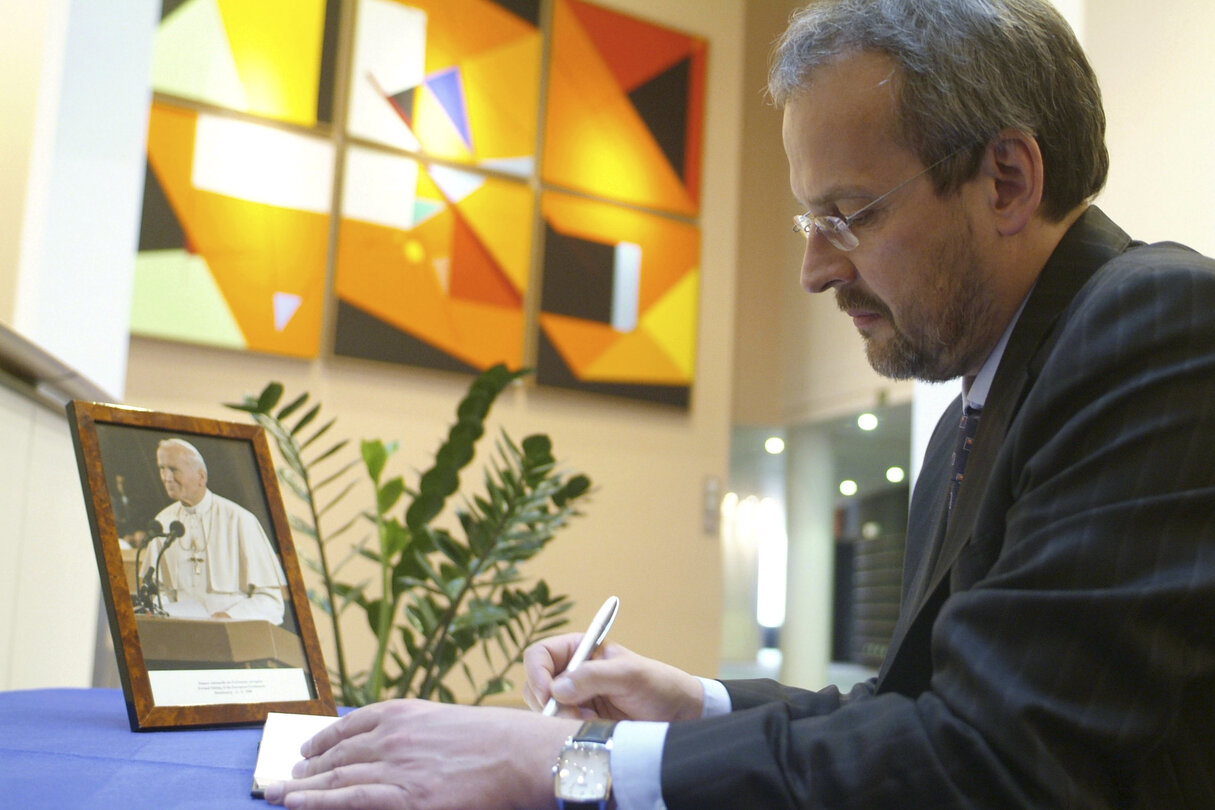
[(276, 45), (672, 323)]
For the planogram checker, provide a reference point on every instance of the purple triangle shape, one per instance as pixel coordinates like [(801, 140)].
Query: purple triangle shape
[(449, 90)]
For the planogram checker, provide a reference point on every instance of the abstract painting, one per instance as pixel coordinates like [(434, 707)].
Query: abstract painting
[(494, 181)]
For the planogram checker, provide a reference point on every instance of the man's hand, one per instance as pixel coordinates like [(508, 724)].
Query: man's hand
[(428, 756), (616, 684)]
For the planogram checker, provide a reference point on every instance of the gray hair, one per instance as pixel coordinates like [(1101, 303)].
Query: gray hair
[(190, 450), (967, 69)]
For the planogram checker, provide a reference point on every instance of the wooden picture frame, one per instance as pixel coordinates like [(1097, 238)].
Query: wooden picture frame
[(187, 534)]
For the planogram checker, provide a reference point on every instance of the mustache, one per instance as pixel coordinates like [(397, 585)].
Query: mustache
[(852, 299)]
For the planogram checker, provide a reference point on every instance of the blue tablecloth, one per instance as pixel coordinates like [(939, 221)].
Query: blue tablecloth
[(70, 748)]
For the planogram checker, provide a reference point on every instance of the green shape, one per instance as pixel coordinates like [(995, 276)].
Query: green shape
[(176, 297)]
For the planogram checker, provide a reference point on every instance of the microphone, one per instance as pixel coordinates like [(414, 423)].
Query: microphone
[(155, 530), (176, 530)]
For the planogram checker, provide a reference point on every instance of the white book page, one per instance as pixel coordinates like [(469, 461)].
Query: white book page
[(280, 746)]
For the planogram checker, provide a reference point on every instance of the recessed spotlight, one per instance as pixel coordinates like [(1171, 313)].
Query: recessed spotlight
[(895, 475), (848, 487), (867, 421), (775, 445)]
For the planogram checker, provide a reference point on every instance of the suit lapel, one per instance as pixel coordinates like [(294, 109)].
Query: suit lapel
[(1091, 242)]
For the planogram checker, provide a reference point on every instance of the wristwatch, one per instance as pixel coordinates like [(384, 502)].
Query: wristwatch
[(582, 777)]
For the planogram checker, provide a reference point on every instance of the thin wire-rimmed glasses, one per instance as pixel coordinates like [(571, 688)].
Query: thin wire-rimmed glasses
[(838, 230)]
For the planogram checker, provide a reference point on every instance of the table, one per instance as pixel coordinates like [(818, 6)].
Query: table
[(69, 748)]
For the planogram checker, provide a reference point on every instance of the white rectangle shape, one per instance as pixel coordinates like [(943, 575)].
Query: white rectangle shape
[(626, 286), (211, 687), (262, 164), (379, 188)]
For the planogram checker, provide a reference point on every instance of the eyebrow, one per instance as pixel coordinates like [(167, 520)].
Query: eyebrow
[(834, 195)]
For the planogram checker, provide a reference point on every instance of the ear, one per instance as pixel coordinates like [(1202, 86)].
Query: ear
[(1012, 163)]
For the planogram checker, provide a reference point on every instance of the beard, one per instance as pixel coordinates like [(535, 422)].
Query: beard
[(944, 332)]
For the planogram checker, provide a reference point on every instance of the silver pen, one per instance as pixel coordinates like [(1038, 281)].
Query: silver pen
[(595, 634)]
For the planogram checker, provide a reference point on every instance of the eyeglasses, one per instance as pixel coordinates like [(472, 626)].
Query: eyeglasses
[(838, 230)]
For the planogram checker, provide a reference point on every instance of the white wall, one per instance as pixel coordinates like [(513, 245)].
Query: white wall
[(83, 101), (49, 584), (1157, 72)]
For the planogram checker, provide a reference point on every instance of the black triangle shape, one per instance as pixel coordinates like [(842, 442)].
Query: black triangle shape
[(361, 334), (528, 10), (662, 103), (159, 228)]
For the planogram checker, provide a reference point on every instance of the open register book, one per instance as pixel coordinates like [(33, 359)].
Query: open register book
[(279, 749)]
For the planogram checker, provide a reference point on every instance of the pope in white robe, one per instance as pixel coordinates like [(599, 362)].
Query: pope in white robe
[(223, 566)]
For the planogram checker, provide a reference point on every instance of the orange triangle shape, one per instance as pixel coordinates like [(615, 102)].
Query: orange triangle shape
[(579, 342)]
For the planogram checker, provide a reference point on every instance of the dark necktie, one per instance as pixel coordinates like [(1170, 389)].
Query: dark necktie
[(966, 439)]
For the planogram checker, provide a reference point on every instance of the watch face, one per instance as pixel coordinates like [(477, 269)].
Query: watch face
[(582, 773)]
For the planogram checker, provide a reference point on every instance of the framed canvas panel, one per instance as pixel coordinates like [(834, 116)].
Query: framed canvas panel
[(432, 264), (234, 233), (452, 79), (272, 59), (618, 301), (625, 109), (201, 582)]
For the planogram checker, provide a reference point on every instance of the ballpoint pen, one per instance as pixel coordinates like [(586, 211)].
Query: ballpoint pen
[(595, 634)]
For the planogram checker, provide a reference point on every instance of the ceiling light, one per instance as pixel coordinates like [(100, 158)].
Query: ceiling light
[(895, 475), (867, 421), (775, 445), (848, 487)]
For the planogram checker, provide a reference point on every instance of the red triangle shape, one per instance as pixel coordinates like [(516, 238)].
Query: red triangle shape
[(634, 50), (475, 275)]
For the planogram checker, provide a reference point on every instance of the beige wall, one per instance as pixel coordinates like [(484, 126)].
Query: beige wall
[(642, 535), (796, 360), (1157, 73)]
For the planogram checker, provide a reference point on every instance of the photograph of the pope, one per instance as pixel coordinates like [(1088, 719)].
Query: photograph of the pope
[(222, 565), (202, 562)]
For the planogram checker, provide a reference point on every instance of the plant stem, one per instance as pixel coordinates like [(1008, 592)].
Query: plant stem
[(384, 620)]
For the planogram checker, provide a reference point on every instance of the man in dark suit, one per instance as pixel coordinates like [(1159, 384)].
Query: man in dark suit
[(1055, 643)]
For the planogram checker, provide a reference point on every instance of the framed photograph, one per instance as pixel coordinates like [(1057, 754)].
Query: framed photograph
[(202, 585)]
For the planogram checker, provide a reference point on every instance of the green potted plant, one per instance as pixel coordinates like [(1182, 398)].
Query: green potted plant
[(439, 595)]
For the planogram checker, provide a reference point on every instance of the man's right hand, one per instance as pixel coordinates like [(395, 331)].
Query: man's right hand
[(616, 684)]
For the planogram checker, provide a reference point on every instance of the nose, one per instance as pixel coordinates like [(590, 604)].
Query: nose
[(824, 266)]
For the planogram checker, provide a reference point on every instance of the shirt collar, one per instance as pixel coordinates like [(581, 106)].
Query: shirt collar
[(974, 391), (201, 506)]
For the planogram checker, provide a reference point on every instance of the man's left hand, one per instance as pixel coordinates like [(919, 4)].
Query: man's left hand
[(428, 756)]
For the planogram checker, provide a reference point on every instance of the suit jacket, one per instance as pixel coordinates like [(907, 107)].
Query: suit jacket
[(1056, 640)]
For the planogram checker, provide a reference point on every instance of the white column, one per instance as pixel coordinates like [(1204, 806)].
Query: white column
[(809, 501), (84, 121)]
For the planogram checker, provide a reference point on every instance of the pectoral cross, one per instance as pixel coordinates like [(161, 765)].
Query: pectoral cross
[(198, 561)]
